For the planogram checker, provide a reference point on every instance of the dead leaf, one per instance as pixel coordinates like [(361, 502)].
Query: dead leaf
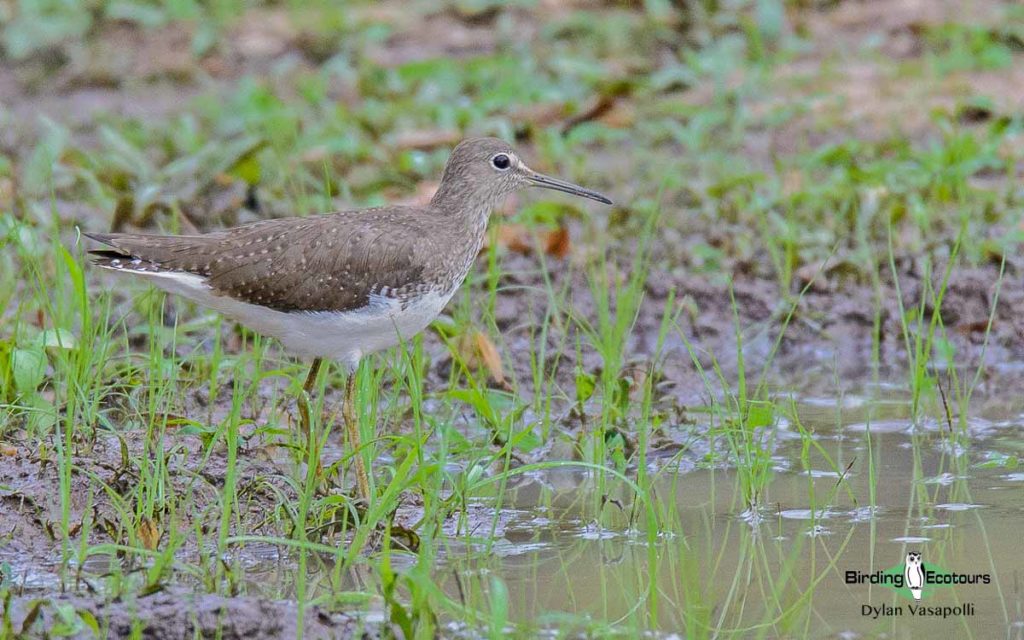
[(8, 450), (520, 239), (611, 109), (477, 350), (489, 355), (556, 242), (149, 534), (592, 110)]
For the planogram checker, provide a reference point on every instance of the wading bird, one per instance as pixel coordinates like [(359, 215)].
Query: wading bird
[(342, 285)]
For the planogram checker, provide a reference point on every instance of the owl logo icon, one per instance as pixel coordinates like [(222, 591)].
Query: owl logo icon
[(913, 574)]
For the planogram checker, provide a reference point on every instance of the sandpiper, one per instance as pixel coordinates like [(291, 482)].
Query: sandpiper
[(341, 285)]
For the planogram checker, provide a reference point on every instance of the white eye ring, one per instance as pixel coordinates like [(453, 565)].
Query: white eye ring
[(501, 162)]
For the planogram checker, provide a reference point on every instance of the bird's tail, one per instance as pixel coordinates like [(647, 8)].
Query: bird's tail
[(152, 253), (916, 593)]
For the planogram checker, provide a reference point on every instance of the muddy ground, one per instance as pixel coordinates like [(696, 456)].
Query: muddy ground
[(831, 336)]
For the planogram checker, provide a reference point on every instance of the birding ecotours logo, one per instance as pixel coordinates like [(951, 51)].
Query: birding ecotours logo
[(916, 579)]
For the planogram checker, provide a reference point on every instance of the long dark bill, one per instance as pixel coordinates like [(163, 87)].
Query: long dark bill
[(547, 182)]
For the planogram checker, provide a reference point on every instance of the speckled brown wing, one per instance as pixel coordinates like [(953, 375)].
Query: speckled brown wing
[(328, 263), (332, 262)]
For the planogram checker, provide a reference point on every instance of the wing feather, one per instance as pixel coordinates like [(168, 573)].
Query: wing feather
[(334, 262)]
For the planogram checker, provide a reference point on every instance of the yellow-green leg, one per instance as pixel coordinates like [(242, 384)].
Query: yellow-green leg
[(351, 426), (307, 392), (354, 441)]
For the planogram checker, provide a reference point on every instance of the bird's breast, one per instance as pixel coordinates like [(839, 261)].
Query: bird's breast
[(349, 335)]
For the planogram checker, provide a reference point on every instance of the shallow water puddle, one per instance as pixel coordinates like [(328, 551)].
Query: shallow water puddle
[(855, 506), (848, 492)]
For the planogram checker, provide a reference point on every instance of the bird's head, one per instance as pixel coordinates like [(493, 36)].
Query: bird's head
[(481, 171)]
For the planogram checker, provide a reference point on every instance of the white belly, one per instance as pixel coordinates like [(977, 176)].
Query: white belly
[(349, 336), (345, 337)]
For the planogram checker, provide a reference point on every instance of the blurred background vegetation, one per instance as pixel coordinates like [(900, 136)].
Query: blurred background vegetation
[(767, 113), (777, 139)]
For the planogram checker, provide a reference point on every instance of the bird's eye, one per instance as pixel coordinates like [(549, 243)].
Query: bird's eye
[(501, 161)]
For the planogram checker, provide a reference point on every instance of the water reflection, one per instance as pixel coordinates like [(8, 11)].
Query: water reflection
[(902, 487)]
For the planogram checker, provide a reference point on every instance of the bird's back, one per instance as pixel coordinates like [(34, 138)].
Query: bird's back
[(331, 262)]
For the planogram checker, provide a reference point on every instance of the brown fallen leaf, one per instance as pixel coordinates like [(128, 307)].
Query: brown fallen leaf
[(519, 238), (975, 326), (592, 109), (611, 109), (556, 242), (489, 355), (477, 350), (149, 534), (8, 450)]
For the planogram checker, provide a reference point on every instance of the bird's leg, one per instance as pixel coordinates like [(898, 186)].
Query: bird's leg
[(307, 391), (314, 369), (354, 441)]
